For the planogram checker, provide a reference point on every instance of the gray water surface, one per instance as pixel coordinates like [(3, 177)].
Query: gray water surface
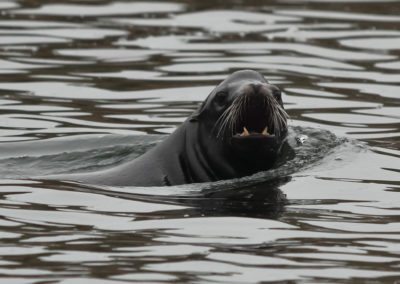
[(86, 85)]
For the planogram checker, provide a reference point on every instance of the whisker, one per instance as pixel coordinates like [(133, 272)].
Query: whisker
[(276, 116)]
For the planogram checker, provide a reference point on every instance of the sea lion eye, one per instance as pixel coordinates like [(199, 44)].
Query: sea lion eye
[(277, 94), (220, 97)]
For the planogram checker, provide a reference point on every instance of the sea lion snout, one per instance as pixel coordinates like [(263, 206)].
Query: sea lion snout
[(258, 90)]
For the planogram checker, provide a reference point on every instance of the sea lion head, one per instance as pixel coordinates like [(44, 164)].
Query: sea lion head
[(244, 115)]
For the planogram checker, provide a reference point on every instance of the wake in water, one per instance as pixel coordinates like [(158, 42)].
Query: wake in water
[(81, 153), (91, 153)]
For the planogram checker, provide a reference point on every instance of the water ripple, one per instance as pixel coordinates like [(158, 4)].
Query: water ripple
[(84, 84)]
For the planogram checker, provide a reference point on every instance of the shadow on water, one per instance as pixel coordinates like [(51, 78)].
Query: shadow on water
[(263, 200)]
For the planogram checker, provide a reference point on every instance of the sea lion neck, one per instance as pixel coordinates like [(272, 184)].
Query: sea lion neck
[(205, 156)]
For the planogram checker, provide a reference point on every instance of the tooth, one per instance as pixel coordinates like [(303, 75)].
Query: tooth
[(265, 131), (245, 132)]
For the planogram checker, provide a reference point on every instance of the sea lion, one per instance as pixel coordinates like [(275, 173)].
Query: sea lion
[(237, 131)]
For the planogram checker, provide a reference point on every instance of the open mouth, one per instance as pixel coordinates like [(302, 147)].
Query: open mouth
[(256, 134), (255, 117), (249, 134), (256, 123)]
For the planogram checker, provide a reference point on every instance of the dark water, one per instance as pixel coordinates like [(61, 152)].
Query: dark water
[(90, 84)]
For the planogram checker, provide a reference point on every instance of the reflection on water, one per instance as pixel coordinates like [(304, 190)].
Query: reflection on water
[(84, 82)]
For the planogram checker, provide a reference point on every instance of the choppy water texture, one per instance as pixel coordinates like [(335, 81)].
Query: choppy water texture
[(90, 84)]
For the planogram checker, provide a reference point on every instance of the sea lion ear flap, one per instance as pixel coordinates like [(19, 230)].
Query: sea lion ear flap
[(199, 112), (195, 116)]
